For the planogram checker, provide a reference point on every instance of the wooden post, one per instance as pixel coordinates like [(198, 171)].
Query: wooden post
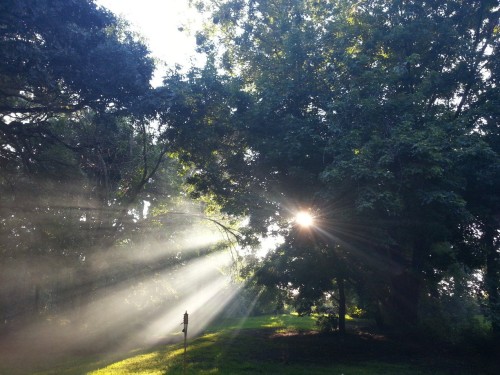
[(185, 330)]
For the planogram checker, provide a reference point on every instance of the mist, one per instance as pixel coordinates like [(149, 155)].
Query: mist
[(87, 298)]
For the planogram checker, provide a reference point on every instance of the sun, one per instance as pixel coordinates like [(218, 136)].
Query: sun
[(304, 219)]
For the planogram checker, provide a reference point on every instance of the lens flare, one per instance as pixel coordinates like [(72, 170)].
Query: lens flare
[(304, 219)]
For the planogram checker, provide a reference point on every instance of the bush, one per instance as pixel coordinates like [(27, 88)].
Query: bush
[(328, 323), (356, 312), (455, 320)]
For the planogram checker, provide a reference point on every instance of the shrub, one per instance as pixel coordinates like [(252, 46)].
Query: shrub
[(327, 323), (356, 312)]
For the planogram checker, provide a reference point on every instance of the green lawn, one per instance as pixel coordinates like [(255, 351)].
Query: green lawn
[(284, 344)]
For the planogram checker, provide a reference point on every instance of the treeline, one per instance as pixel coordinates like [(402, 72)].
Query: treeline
[(381, 118), (81, 165)]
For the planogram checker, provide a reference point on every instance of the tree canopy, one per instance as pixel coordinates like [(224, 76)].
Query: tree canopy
[(378, 116), (79, 158)]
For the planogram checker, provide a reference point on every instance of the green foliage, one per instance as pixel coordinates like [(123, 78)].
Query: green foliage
[(61, 56), (327, 323), (78, 158), (454, 313), (380, 117), (71, 81), (356, 312)]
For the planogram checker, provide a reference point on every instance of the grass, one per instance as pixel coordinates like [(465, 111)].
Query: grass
[(284, 344)]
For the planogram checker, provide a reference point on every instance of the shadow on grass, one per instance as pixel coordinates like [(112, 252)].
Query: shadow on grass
[(268, 351), (288, 345)]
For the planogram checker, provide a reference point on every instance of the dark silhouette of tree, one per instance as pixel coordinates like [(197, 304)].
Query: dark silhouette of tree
[(367, 113)]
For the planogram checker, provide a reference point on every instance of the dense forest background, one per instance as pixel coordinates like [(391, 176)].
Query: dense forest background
[(380, 118)]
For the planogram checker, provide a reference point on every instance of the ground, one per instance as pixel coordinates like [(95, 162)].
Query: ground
[(283, 344)]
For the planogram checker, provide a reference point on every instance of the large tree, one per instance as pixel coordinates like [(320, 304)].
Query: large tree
[(76, 147), (363, 112)]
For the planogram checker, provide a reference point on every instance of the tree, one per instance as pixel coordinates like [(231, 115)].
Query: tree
[(314, 268), (76, 147), (61, 56), (364, 112), (480, 165)]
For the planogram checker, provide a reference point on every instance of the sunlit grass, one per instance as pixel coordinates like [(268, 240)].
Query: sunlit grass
[(280, 344), (153, 363), (220, 350)]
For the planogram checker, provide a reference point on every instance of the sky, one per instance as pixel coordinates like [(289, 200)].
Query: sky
[(159, 22)]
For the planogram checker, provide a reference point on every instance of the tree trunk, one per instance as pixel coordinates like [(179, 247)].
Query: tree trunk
[(406, 286), (342, 304), (492, 278), (405, 298)]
